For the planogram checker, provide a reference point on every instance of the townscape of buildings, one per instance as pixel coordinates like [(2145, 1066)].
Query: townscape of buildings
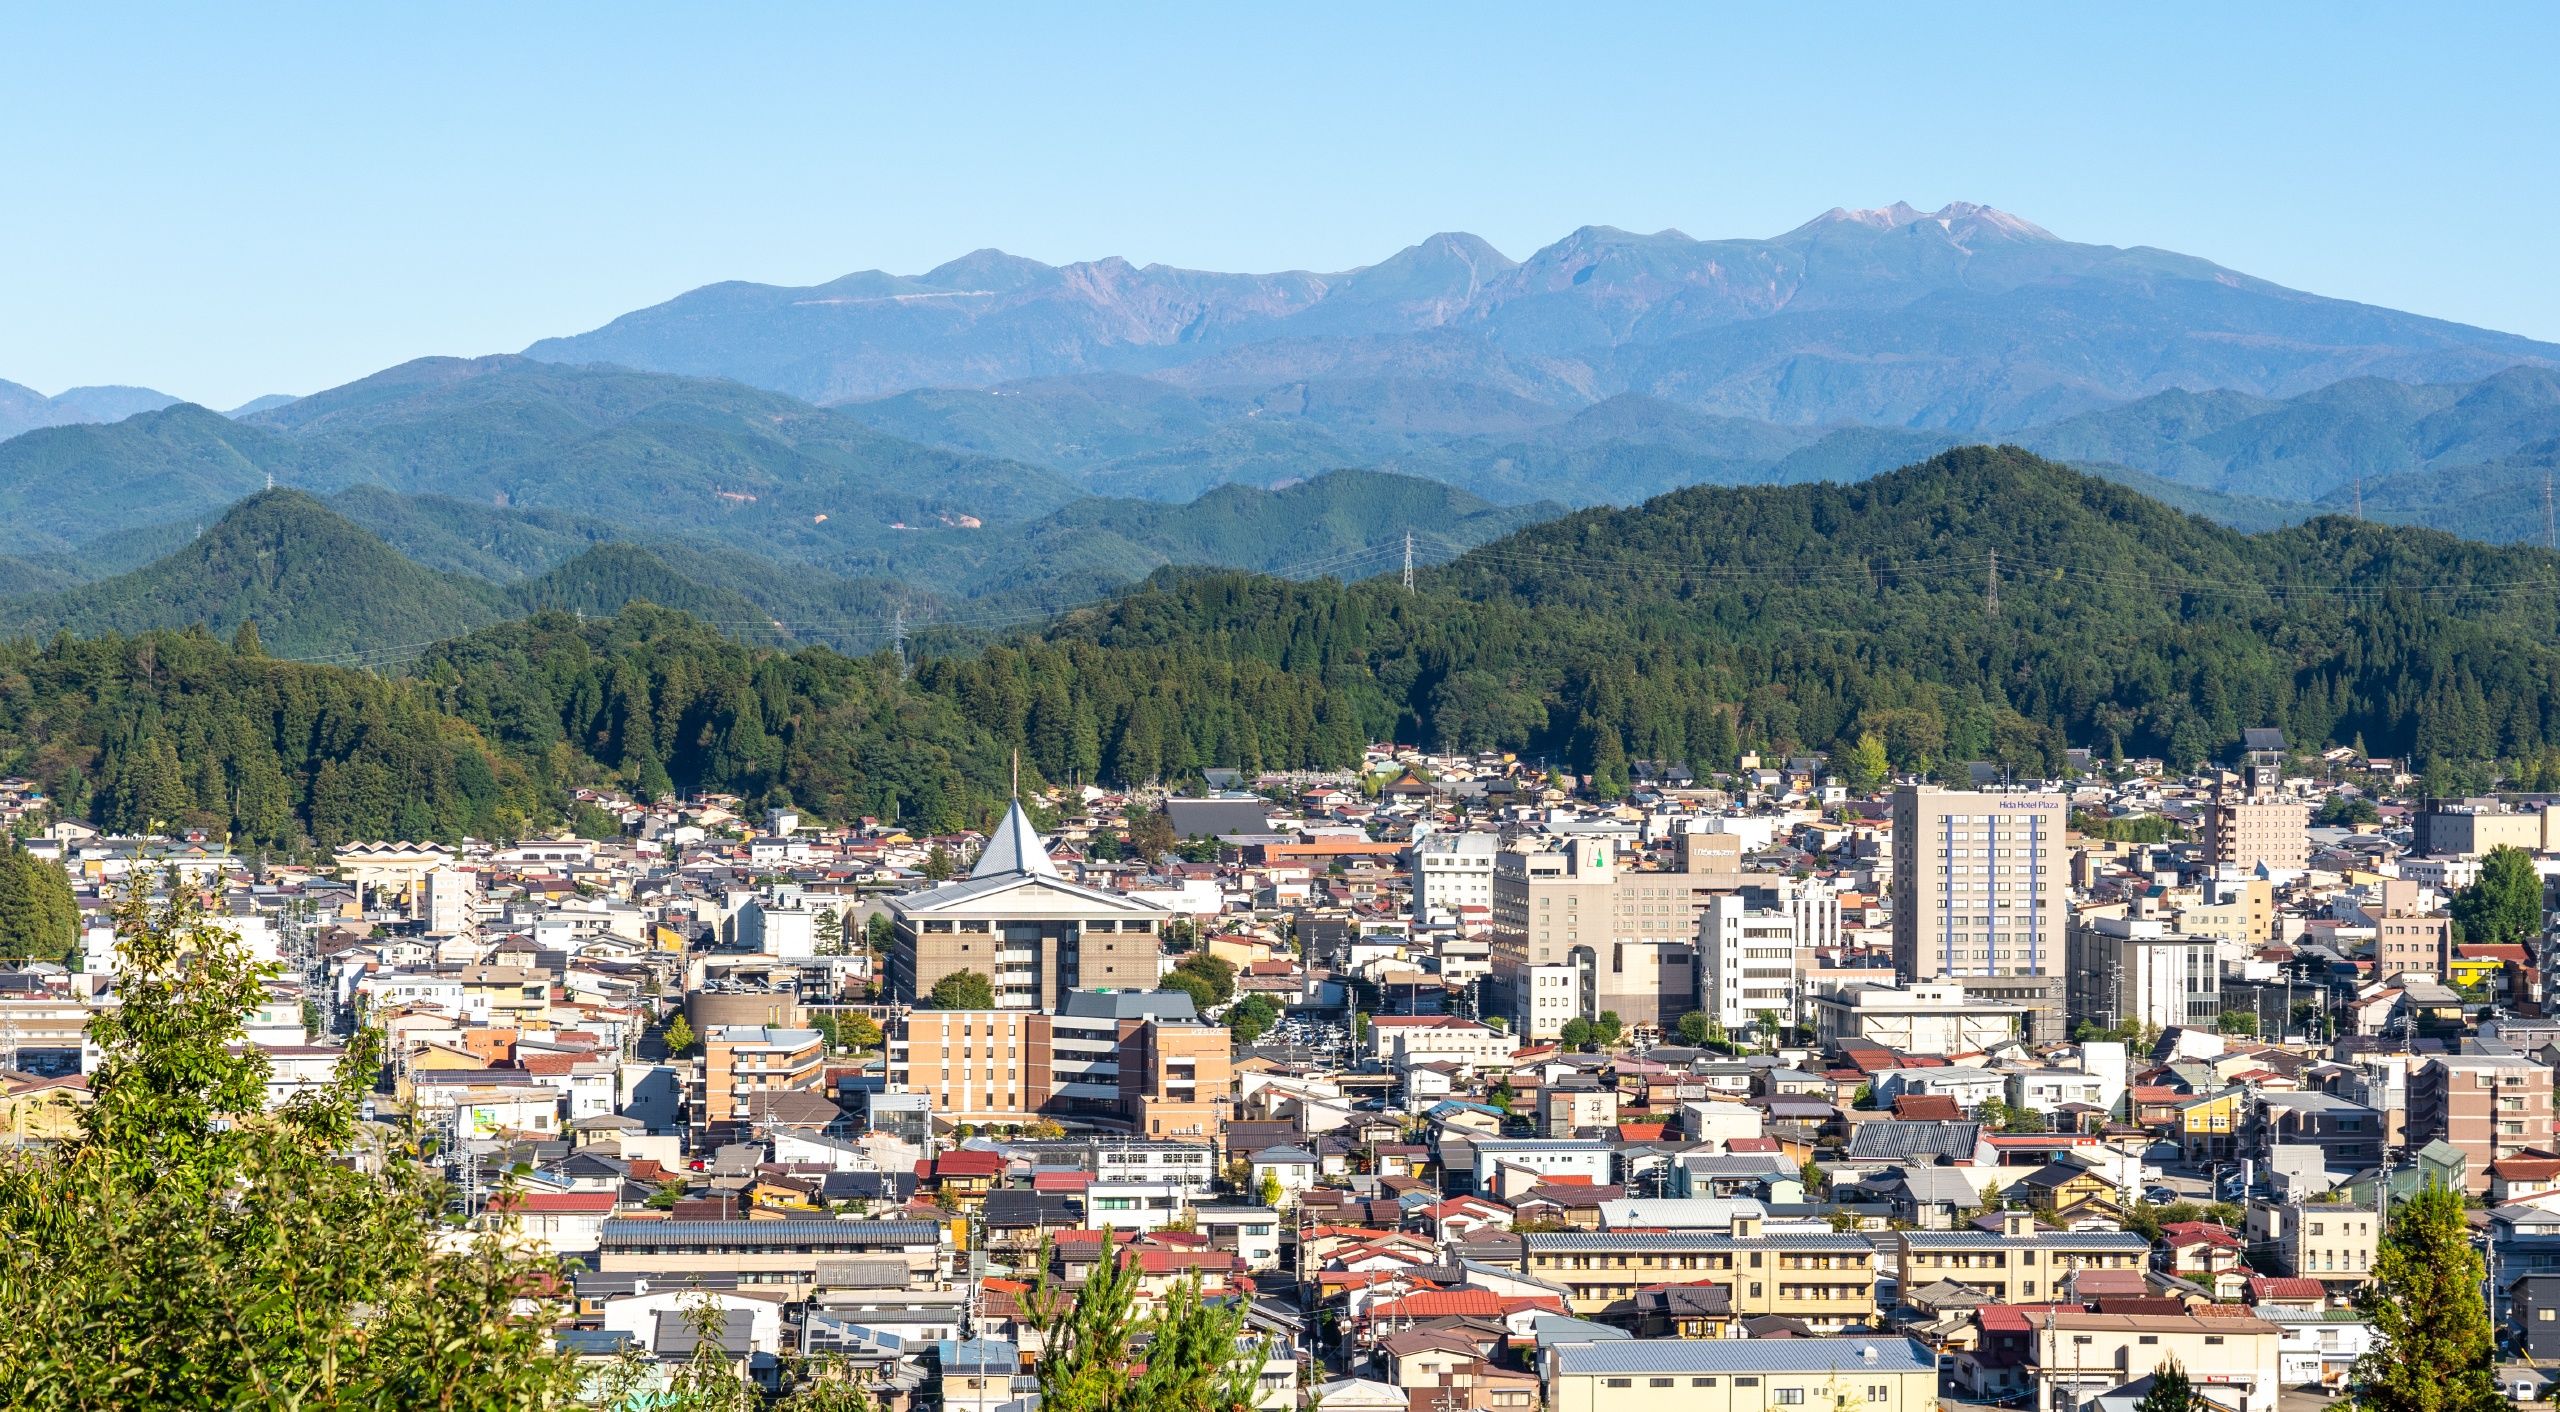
[(1474, 1091)]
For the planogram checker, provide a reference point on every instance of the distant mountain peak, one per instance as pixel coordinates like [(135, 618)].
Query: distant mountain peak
[(990, 270), (1970, 214)]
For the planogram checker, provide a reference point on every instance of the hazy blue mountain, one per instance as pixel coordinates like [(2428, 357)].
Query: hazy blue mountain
[(1965, 318), (255, 405), (23, 409)]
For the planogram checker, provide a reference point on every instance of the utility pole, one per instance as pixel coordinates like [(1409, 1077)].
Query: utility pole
[(1408, 556), (898, 637), (1991, 598)]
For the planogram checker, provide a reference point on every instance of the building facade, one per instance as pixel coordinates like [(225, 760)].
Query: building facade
[(1981, 883), (1032, 933)]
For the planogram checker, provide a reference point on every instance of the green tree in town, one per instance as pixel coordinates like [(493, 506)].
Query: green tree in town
[(1771, 1025), (1576, 1033), (189, 1248), (1268, 1191), (964, 990), (2237, 1022), (1607, 1030), (2435, 1346), (2505, 903), (1692, 1028), (669, 1192), (858, 1031), (679, 1036), (879, 933), (39, 920), (1192, 984), (1100, 1354), (1253, 1017), (830, 932), (710, 1379), (2171, 1390), (939, 864), (1219, 972), (1863, 767)]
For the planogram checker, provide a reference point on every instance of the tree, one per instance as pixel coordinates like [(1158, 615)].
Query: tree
[(1151, 834), (879, 933), (1253, 1017), (1268, 1190), (858, 1031), (669, 1192), (1863, 766), (2238, 1022), (710, 1378), (1608, 1029), (964, 990), (187, 1247), (2434, 1340), (830, 932), (1692, 1028), (938, 864), (2505, 903), (1217, 971), (1576, 1033), (1770, 1024), (1190, 983), (1093, 1345), (2171, 1391), (679, 1036), (39, 919)]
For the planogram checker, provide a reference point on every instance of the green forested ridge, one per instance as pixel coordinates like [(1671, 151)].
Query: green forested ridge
[(1708, 620)]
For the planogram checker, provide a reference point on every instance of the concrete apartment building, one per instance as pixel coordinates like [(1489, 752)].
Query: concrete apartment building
[(2334, 1243), (1451, 871), (2488, 1106), (1825, 1279), (779, 1257), (1746, 960), (1577, 930), (1015, 920), (1740, 1375), (2405, 936), (2020, 1263), (1941, 1018), (2127, 963), (1141, 1061), (2248, 826), (739, 1062), (2470, 828), (1981, 883)]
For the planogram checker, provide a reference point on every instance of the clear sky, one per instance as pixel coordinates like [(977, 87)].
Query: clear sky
[(227, 200)]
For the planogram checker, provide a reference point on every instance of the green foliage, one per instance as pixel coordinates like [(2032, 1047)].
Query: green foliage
[(2505, 903), (2133, 828), (1093, 1342), (679, 1036), (2237, 1022), (1863, 766), (1253, 1017), (1218, 973), (1268, 1191), (2346, 811), (1694, 1027), (668, 1193), (189, 1248), (964, 990), (1577, 1033), (2171, 1390), (39, 919), (2435, 1344), (1190, 983)]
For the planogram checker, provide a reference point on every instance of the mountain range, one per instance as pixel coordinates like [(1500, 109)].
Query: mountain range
[(1966, 318)]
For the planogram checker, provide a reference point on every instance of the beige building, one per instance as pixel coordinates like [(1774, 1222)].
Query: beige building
[(2332, 1242), (2248, 826), (740, 1061), (1139, 1061), (2489, 1106), (2020, 1263), (1939, 1018), (1742, 1375), (2406, 937), (780, 1257), (1016, 921), (2471, 828), (2232, 1361), (1981, 883), (1827, 1280), (1577, 930)]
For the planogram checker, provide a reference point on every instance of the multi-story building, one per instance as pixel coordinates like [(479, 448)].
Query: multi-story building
[(1980, 883), (1577, 930), (1942, 1018), (2233, 1361), (2138, 968), (1825, 1279), (2019, 1263), (782, 1256), (2489, 1106), (739, 1062), (1740, 1375), (2407, 937), (1746, 960), (2248, 827), (1015, 920), (1140, 1061), (1452, 871), (978, 1066), (2470, 828), (2349, 1135), (2331, 1242), (1177, 1080)]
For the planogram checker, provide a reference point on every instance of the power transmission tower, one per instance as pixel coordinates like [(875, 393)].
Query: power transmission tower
[(2549, 541), (898, 637), (1991, 597), (1408, 561), (2359, 497)]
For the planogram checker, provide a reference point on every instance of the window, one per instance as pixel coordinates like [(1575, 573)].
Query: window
[(1746, 1382), (1657, 1382), (1791, 1397), (2150, 1338), (1617, 1382), (1710, 1382), (2211, 1339)]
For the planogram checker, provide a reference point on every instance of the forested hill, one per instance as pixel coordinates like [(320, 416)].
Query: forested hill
[(1685, 629), (1808, 615)]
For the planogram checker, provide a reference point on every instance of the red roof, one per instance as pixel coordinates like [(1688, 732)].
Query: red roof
[(538, 1202), (2266, 1287), (2017, 1318), (969, 1163), (1061, 1181)]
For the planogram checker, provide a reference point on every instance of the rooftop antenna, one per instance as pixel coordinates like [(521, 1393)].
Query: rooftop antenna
[(1408, 561), (1017, 773), (1991, 599)]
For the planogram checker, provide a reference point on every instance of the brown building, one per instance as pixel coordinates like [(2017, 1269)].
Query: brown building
[(741, 1061), (2488, 1106), (1578, 930), (1981, 883), (1033, 934), (2248, 827), (1141, 1061)]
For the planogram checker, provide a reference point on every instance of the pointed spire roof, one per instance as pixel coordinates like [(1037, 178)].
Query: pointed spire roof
[(1015, 848)]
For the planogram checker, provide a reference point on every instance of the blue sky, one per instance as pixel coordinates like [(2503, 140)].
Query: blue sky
[(223, 201)]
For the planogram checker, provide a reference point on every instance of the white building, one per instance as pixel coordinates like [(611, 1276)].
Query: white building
[(1937, 1018), (1746, 961), (1451, 871)]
